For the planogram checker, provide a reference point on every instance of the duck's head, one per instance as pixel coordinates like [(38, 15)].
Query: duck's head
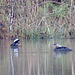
[(16, 42), (57, 45)]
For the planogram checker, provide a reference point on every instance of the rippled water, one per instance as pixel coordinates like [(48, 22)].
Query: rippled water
[(37, 57)]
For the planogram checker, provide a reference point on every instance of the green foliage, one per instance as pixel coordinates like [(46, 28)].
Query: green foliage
[(61, 11), (38, 21)]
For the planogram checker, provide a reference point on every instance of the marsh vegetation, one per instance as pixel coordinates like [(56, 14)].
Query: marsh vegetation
[(37, 19)]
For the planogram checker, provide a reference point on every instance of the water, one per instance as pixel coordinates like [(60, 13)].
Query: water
[(37, 57)]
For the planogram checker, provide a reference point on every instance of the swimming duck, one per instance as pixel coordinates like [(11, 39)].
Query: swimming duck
[(16, 43), (61, 48)]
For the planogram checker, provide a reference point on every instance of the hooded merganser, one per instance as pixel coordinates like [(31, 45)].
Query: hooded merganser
[(61, 48), (16, 43)]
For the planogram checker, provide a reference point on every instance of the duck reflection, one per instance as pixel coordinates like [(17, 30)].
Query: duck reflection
[(15, 50), (60, 53)]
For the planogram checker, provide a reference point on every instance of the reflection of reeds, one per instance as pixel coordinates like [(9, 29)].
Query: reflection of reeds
[(72, 65)]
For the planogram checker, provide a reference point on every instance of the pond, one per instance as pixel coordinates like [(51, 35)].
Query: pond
[(37, 57)]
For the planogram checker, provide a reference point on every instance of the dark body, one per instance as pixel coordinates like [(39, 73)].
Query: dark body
[(62, 49)]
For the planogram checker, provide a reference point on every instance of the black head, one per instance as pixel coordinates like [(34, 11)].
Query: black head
[(54, 44)]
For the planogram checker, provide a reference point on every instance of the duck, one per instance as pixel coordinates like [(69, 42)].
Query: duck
[(58, 47), (15, 43)]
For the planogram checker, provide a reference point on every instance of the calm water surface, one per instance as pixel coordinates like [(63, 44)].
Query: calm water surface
[(37, 57)]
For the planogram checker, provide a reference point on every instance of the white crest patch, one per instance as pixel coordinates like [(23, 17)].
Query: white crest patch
[(16, 40)]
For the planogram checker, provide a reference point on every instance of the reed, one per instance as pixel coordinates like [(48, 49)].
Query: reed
[(43, 20)]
